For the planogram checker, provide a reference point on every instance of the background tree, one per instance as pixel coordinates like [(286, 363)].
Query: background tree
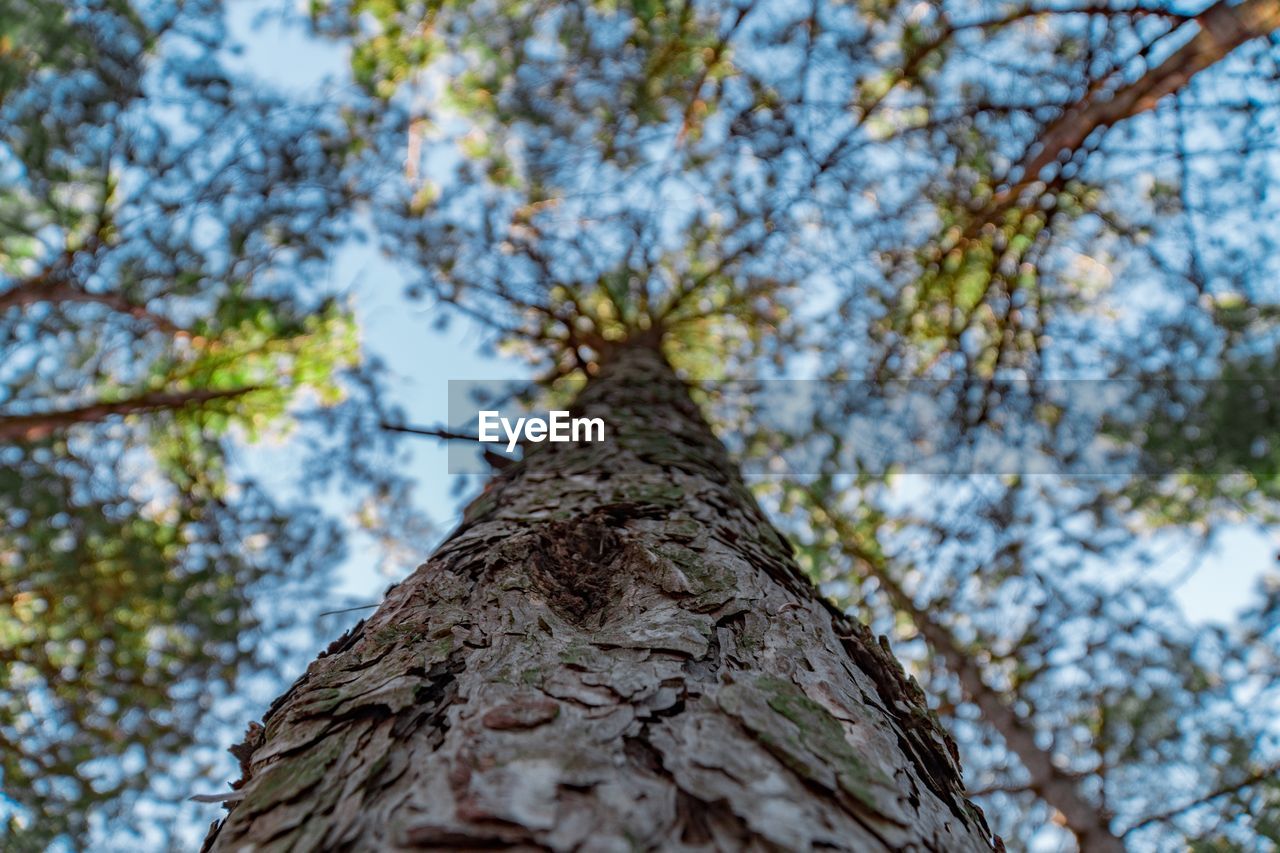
[(162, 222)]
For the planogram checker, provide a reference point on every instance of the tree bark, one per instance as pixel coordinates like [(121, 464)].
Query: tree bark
[(614, 651)]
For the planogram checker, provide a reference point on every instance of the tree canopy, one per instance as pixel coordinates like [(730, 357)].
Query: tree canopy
[(975, 192)]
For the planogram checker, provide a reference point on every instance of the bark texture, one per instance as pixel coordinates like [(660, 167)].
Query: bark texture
[(615, 651)]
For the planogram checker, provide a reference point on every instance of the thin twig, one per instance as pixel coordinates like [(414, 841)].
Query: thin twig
[(348, 609), (447, 435), (1165, 816)]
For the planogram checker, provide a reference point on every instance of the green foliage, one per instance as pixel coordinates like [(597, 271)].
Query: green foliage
[(492, 41), (126, 612), (1210, 445)]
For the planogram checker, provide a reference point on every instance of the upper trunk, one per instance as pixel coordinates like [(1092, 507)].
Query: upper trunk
[(614, 651)]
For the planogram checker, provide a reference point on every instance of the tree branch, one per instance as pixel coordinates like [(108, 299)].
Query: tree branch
[(1269, 772), (440, 433), (52, 285), (1223, 28), (34, 427)]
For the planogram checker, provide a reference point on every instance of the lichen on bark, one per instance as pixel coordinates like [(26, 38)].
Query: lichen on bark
[(615, 651)]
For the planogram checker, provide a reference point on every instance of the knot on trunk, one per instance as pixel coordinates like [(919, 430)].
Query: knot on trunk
[(577, 565)]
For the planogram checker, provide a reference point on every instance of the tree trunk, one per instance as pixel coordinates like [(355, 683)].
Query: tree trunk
[(615, 651)]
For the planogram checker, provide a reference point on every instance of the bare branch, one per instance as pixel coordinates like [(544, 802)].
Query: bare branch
[(1223, 28), (34, 427), (53, 286), (1262, 775), (438, 432)]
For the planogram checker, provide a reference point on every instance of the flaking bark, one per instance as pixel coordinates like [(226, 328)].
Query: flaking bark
[(615, 651)]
